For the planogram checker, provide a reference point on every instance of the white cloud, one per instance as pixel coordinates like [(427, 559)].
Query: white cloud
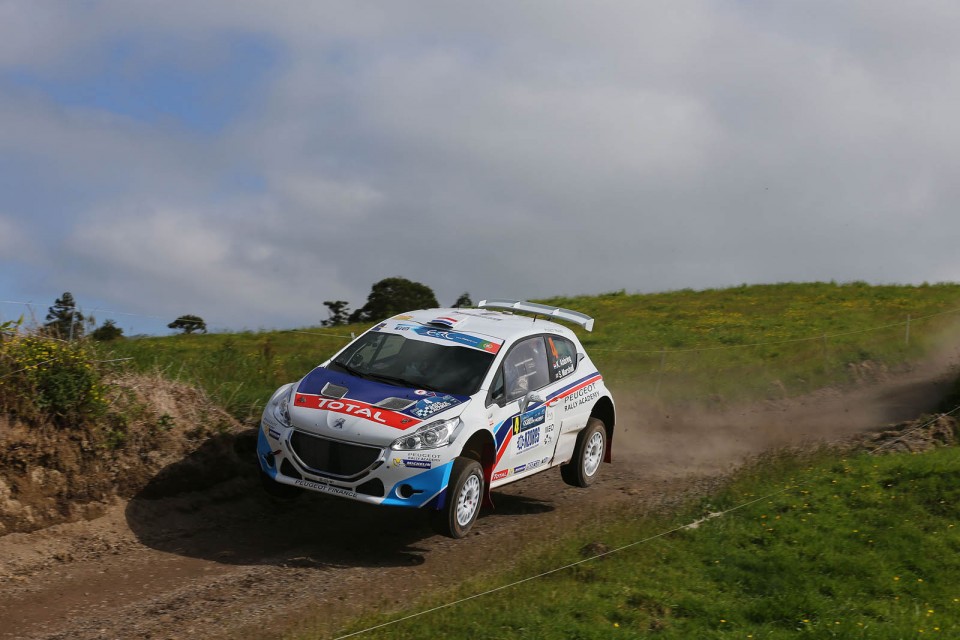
[(472, 147)]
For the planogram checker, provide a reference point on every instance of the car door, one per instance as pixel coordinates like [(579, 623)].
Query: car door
[(525, 428)]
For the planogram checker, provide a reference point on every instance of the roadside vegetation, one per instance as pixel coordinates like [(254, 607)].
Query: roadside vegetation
[(45, 380), (821, 546)]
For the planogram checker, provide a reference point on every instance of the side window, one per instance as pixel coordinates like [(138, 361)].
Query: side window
[(562, 355), (525, 368)]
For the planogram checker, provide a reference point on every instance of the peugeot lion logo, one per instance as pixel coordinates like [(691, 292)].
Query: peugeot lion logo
[(338, 423)]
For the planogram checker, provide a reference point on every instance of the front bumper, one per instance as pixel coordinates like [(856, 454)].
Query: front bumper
[(359, 472)]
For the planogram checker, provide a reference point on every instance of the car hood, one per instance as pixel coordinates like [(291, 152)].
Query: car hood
[(339, 405)]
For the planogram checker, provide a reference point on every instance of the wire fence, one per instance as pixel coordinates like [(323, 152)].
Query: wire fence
[(692, 525)]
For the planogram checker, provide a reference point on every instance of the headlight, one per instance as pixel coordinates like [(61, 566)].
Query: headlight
[(431, 436), (279, 405)]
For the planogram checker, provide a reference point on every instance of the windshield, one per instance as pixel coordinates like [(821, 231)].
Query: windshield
[(406, 362)]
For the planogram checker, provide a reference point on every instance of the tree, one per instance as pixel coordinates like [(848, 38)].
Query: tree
[(338, 313), (107, 331), (463, 301), (391, 296), (63, 319), (189, 324)]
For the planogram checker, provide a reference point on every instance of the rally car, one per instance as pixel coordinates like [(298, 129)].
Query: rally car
[(434, 408)]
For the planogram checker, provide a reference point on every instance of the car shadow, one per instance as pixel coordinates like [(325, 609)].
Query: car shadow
[(210, 506), (506, 504)]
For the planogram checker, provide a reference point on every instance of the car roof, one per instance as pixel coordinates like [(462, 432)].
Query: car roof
[(496, 324)]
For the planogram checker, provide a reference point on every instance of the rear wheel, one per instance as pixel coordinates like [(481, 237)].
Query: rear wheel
[(584, 467), (464, 496)]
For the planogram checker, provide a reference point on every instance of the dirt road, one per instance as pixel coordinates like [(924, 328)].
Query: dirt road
[(227, 562)]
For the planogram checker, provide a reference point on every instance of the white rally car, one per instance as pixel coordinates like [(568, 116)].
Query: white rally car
[(434, 408)]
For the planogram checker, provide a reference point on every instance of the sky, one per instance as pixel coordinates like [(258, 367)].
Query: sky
[(246, 161)]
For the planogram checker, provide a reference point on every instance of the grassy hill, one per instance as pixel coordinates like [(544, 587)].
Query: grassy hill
[(681, 346)]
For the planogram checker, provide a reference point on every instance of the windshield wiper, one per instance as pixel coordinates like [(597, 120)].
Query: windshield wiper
[(400, 382), (346, 367)]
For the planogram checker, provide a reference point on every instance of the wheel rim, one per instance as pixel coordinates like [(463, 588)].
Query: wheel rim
[(468, 501), (593, 454)]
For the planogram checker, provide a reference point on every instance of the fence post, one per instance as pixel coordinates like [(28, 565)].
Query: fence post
[(663, 360), (906, 338)]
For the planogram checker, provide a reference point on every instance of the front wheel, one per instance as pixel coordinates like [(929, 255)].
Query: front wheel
[(464, 495), (584, 467)]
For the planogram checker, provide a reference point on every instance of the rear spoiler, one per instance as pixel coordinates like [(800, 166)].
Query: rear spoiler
[(581, 319)]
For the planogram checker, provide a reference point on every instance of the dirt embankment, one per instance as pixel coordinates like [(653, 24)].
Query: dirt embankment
[(50, 475), (224, 561)]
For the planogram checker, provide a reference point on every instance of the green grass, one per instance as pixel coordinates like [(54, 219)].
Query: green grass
[(865, 547), (681, 346), (240, 370), (759, 341)]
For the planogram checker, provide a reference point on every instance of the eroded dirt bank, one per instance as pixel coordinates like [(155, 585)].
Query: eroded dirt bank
[(227, 562)]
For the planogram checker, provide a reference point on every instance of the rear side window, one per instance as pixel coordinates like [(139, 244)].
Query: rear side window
[(562, 357)]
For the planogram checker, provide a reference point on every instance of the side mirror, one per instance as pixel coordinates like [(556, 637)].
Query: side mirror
[(529, 399)]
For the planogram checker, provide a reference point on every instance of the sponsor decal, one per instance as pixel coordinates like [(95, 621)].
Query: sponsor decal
[(583, 400), (529, 420), (326, 488), (403, 317), (414, 464), (276, 435), (581, 396), (424, 392), (338, 423), (401, 327), (379, 326), (527, 439), (429, 406), (548, 433), (530, 466), (460, 338), (355, 408), (500, 475), (416, 455)]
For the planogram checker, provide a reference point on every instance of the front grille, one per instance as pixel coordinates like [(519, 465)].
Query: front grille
[(286, 468), (331, 457)]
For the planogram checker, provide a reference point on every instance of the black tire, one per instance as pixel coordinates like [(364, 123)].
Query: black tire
[(584, 466), (464, 497), (278, 490)]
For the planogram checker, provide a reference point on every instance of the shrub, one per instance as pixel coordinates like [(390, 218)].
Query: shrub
[(42, 378)]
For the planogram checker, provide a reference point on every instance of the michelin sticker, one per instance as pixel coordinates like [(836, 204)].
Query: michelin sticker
[(413, 464)]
